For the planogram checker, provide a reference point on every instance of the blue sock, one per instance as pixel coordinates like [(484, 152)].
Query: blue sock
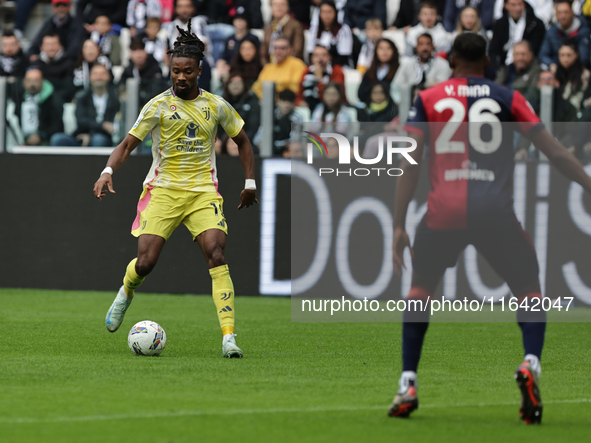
[(533, 337), (412, 344), (414, 326), (533, 328)]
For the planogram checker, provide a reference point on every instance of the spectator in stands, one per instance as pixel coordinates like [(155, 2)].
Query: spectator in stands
[(13, 62), (89, 10), (469, 21), (586, 11), (137, 13), (546, 78), (240, 23), (408, 14), (246, 62), (544, 10), (315, 14), (69, 29), (572, 77), (568, 26), (320, 73), (96, 109), (286, 71), (358, 12), (300, 10), (332, 110), (521, 75), (570, 84), (224, 11), (89, 56), (220, 14), (428, 24), (155, 46), (453, 9), (21, 16), (38, 113), (333, 35), (107, 39), (421, 71), (284, 26), (56, 66), (185, 11), (380, 107), (142, 66), (373, 31), (284, 115), (247, 105), (518, 23), (383, 68)]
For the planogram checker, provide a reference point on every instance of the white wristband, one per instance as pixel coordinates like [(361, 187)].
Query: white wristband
[(250, 184), (108, 170)]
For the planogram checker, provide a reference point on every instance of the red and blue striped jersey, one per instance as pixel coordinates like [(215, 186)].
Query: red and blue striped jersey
[(469, 125)]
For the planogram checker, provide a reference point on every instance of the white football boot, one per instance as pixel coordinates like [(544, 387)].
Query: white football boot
[(117, 311), (229, 347)]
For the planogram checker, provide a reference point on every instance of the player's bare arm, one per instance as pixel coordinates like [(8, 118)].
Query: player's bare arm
[(119, 155), (247, 196), (561, 158), (405, 189)]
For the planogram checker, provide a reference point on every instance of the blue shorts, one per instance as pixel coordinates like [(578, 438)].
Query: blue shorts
[(505, 245)]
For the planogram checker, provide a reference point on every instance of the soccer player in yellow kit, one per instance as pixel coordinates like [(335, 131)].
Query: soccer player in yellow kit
[(181, 186)]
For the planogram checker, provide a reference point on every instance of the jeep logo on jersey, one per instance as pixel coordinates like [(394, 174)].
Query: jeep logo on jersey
[(344, 146), (192, 130)]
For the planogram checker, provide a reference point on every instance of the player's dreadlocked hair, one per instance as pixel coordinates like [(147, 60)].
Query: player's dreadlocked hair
[(188, 45)]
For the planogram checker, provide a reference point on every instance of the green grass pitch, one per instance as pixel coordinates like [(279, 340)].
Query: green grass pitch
[(64, 378)]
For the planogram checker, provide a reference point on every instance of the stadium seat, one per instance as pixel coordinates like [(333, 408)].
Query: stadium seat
[(266, 12), (398, 38), (69, 118), (306, 37), (352, 82), (259, 33), (125, 41), (14, 136), (304, 111), (117, 72), (352, 113), (392, 7)]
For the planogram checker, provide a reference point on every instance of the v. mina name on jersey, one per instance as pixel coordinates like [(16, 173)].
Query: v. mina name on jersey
[(183, 139), (467, 126)]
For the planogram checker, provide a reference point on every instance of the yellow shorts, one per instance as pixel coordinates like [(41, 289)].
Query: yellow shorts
[(161, 210)]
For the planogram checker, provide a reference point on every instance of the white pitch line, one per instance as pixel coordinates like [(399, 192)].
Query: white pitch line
[(256, 411)]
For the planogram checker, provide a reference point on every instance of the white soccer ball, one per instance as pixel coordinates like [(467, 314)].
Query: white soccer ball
[(147, 338)]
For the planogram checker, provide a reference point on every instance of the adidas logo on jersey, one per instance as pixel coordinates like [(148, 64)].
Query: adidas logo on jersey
[(222, 224), (226, 309), (175, 116)]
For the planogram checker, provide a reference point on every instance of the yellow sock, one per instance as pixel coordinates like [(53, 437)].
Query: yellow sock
[(223, 297), (131, 280)]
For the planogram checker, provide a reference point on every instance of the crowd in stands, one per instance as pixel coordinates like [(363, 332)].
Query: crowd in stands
[(82, 56)]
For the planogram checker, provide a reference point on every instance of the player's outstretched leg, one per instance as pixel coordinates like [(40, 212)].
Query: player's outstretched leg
[(149, 247), (124, 297), (414, 328)]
